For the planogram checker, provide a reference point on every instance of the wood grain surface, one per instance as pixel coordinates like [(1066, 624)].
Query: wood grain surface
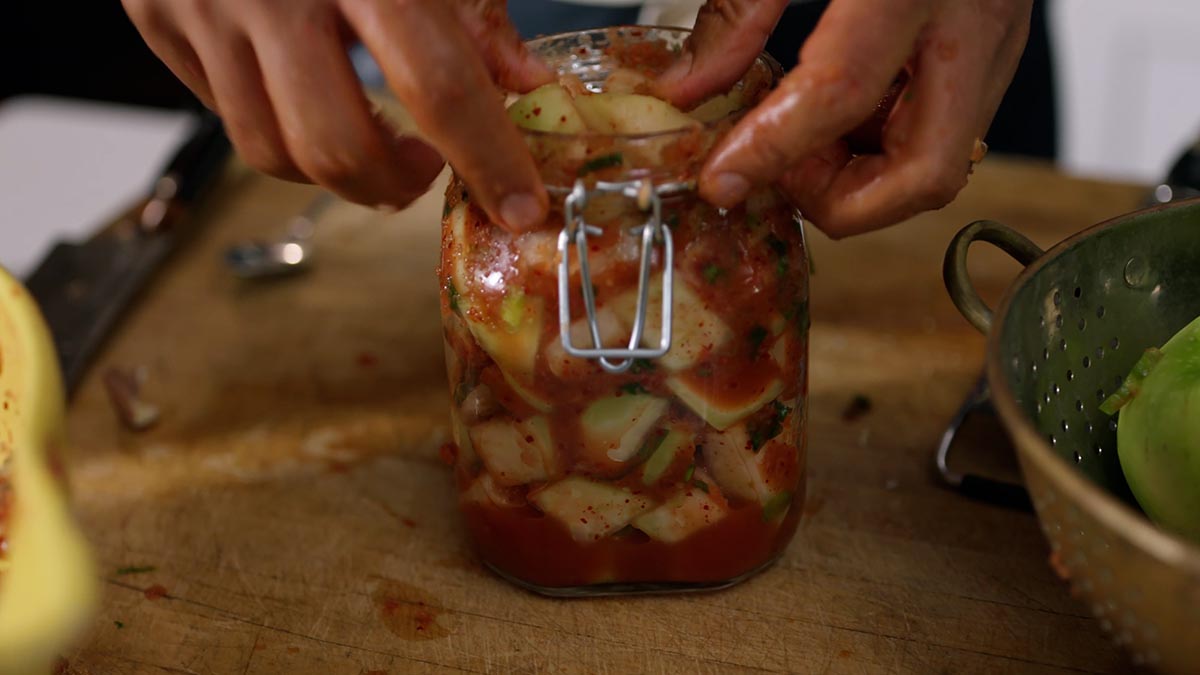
[(289, 513)]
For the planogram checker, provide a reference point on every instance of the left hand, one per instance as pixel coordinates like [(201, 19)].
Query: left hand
[(960, 55)]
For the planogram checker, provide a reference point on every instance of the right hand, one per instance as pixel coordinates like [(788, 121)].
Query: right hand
[(278, 74), (958, 58)]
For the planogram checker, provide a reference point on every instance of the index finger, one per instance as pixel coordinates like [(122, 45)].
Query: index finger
[(434, 69), (846, 67)]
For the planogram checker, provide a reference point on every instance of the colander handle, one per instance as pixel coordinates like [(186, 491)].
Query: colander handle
[(958, 279)]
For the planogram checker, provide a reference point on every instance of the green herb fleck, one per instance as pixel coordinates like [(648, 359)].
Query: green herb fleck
[(452, 296), (712, 272), (601, 162), (763, 430), (632, 388), (780, 248), (700, 484), (673, 220), (641, 366), (1132, 384), (757, 335), (119, 624), (908, 95), (446, 209), (775, 506), (704, 370), (687, 475), (135, 570)]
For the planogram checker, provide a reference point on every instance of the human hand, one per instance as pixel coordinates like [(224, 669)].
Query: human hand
[(959, 57), (278, 74)]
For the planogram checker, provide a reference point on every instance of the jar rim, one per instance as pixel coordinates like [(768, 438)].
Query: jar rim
[(773, 67)]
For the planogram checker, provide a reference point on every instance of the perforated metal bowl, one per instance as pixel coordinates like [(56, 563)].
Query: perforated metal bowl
[(1065, 335)]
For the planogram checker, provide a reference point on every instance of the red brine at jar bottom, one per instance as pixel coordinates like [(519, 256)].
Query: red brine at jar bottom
[(537, 550)]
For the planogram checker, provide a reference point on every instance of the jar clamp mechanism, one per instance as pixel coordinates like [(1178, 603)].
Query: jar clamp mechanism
[(654, 231)]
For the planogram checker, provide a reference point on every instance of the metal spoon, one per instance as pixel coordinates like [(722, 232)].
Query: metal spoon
[(289, 255)]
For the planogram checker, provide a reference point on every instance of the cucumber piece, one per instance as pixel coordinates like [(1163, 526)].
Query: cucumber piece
[(515, 452), (512, 309), (547, 108), (485, 491), (676, 444), (717, 107), (777, 323), (461, 252), (513, 345), (779, 351), (742, 472), (695, 329), (535, 401), (460, 433), (617, 425), (680, 516), (588, 509), (564, 365), (610, 113), (776, 506), (720, 415), (626, 81)]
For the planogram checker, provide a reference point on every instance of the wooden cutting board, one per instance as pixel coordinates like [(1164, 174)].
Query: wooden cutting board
[(289, 513)]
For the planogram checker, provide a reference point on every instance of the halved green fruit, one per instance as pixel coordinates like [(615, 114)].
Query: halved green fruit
[(1158, 432)]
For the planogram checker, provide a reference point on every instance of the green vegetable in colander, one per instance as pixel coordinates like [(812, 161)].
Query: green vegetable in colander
[(1158, 432)]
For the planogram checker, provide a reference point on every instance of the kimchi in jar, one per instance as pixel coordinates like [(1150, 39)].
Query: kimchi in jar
[(629, 381)]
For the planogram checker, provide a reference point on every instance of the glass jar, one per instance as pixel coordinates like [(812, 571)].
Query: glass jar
[(601, 444)]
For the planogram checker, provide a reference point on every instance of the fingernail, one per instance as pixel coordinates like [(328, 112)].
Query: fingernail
[(730, 188), (520, 211)]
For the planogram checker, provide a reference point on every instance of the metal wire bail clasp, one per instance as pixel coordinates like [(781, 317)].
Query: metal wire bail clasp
[(654, 231)]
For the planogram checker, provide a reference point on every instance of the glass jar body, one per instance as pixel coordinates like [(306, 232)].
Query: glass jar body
[(681, 472)]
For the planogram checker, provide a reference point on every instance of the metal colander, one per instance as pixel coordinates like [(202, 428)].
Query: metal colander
[(1067, 333)]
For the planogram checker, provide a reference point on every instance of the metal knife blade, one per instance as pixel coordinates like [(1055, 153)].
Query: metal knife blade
[(83, 289)]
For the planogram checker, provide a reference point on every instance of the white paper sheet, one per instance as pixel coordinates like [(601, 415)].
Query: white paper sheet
[(67, 165)]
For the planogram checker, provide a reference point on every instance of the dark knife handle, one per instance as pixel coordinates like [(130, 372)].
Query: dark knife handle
[(200, 160)]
